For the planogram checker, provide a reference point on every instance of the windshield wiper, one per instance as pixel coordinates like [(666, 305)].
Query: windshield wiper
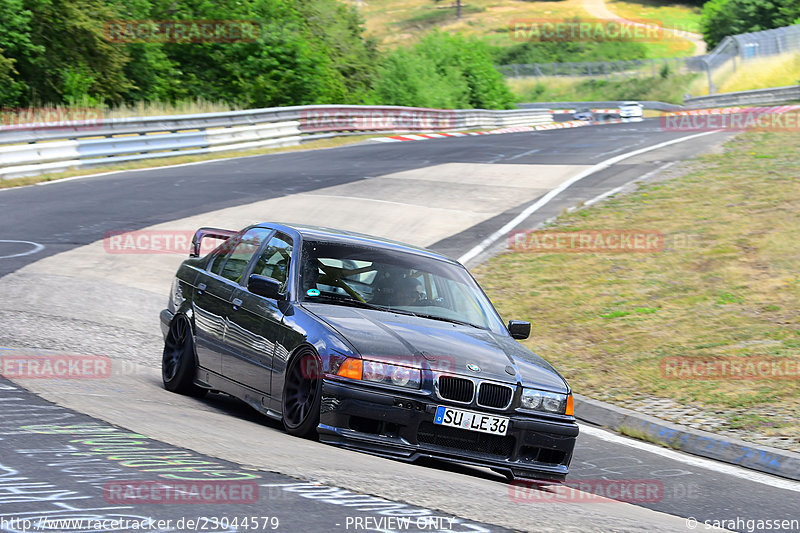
[(452, 320), (344, 300)]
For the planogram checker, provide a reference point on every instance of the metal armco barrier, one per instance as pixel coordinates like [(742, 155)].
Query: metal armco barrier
[(32, 149), (647, 104), (775, 95)]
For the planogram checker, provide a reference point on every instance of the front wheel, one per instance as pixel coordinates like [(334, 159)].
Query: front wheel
[(178, 366), (302, 394)]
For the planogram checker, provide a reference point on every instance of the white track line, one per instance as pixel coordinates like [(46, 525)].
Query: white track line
[(692, 460), (36, 248), (544, 200)]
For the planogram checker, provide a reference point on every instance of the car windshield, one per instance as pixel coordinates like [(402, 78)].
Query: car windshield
[(393, 280)]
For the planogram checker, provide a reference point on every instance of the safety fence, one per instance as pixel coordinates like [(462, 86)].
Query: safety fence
[(730, 54), (32, 149)]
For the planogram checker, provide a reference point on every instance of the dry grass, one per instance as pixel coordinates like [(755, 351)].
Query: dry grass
[(675, 16), (400, 22), (146, 109), (777, 71), (762, 73), (725, 285)]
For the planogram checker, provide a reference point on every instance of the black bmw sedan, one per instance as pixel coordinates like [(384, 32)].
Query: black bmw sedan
[(368, 344)]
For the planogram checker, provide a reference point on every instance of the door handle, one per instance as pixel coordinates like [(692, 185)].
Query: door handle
[(236, 303), (201, 287)]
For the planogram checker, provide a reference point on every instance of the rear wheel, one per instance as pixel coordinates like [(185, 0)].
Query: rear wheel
[(302, 394), (178, 366)]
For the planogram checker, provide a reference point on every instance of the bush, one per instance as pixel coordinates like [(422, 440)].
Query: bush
[(445, 71)]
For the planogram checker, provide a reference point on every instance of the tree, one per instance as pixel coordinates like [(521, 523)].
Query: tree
[(721, 18), (74, 52), (15, 45)]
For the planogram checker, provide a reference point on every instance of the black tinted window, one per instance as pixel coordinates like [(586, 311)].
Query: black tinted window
[(237, 254)]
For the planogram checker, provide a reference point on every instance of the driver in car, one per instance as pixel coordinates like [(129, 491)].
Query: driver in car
[(410, 292)]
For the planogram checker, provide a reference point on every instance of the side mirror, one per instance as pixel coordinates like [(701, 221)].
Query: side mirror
[(519, 329), (266, 287)]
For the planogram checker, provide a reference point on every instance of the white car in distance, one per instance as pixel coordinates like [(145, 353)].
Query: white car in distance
[(631, 110)]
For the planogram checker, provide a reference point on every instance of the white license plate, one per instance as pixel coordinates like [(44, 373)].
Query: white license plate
[(458, 418)]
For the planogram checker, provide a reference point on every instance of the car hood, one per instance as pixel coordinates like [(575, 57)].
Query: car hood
[(438, 345)]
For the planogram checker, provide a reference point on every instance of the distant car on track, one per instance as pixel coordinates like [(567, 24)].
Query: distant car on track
[(368, 344), (583, 113), (631, 110)]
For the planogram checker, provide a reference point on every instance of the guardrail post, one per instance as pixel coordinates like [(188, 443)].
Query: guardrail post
[(708, 75)]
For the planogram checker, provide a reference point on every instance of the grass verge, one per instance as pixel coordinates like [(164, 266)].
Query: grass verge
[(669, 89), (726, 285), (762, 73)]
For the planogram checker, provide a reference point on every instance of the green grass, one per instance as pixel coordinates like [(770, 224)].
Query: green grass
[(638, 434), (670, 89), (726, 284), (667, 14)]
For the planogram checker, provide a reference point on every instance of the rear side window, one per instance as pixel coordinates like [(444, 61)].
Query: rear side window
[(233, 259)]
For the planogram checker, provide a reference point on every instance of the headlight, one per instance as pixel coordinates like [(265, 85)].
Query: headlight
[(549, 402), (399, 376), (376, 372)]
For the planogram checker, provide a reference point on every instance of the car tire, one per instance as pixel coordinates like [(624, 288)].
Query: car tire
[(302, 395), (178, 363)]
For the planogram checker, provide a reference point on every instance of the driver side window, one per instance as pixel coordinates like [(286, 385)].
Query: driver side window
[(275, 259)]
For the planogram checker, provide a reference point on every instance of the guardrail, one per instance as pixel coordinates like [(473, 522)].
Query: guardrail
[(647, 104), (32, 149), (775, 95)]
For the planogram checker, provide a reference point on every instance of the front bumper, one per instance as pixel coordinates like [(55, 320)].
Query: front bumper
[(400, 425), (165, 318)]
